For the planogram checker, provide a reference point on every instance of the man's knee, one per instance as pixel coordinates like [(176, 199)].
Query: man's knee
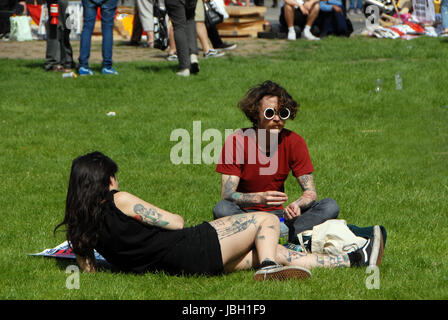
[(329, 208), (225, 208)]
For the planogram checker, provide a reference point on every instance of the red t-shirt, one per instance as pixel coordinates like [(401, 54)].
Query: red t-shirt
[(241, 156)]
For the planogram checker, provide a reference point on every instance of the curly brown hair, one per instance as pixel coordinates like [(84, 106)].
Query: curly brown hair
[(251, 101)]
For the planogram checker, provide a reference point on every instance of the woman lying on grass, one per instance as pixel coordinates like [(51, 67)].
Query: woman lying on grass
[(136, 236)]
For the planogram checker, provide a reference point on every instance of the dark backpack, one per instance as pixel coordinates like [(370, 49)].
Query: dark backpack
[(161, 40)]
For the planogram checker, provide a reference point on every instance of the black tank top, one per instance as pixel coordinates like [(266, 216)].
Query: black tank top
[(130, 245)]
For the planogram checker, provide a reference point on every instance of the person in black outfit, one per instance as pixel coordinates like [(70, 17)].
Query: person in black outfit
[(216, 40), (136, 236), (181, 13), (59, 53), (333, 20)]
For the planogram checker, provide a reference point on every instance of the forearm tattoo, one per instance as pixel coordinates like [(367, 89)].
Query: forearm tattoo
[(241, 199), (233, 225), (229, 187), (309, 196), (149, 216), (307, 183)]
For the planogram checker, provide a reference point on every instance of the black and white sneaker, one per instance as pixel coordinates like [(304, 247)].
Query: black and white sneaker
[(226, 46), (270, 270), (194, 67), (212, 53), (371, 253)]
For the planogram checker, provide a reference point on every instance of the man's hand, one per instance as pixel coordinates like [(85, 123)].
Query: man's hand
[(273, 198), (292, 211), (308, 198)]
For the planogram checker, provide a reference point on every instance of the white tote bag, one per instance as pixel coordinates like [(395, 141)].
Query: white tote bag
[(333, 237), (20, 28)]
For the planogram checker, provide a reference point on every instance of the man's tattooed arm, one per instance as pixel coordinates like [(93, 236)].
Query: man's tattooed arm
[(306, 201), (267, 198), (309, 196), (228, 192)]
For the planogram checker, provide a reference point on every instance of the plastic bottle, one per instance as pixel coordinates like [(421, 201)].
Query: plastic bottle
[(294, 247), (69, 75), (378, 85), (284, 231), (398, 81)]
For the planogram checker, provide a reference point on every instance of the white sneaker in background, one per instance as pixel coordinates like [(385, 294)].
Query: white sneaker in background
[(292, 35), (184, 73), (309, 36)]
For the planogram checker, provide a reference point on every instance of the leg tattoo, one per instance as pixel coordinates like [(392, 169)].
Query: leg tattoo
[(233, 225)]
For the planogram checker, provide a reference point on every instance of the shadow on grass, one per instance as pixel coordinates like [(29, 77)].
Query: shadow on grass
[(35, 65), (157, 68), (63, 264), (101, 266), (127, 43)]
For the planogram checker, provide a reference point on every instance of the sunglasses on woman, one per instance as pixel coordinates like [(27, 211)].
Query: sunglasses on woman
[(270, 113)]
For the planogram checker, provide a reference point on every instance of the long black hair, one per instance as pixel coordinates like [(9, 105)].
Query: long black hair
[(87, 189)]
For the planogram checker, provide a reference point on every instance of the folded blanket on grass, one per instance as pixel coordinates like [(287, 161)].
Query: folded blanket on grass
[(64, 251)]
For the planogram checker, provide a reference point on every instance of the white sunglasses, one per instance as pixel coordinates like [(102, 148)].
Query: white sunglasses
[(270, 113)]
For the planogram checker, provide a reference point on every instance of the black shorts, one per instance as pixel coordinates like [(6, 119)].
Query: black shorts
[(198, 253), (299, 18)]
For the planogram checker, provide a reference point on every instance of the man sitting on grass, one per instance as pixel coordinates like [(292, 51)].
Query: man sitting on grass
[(248, 183), (301, 13)]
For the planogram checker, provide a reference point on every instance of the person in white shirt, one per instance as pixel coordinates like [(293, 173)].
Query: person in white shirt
[(301, 13)]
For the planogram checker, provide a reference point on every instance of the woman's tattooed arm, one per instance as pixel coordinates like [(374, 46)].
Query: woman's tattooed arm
[(149, 216)]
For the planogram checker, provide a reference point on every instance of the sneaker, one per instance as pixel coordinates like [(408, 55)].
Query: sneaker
[(351, 11), (85, 72), (110, 70), (358, 11), (227, 46), (309, 36), (194, 67), (292, 35), (172, 57), (270, 270), (212, 53), (184, 73), (371, 253)]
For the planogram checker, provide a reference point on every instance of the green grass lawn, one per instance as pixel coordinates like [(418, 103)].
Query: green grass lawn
[(382, 156)]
